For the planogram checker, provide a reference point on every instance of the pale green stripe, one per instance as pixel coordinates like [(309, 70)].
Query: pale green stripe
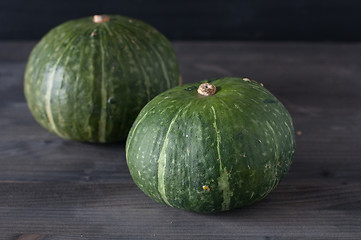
[(141, 68), (146, 79), (218, 137), (274, 136), (223, 185), (161, 168), (133, 131), (223, 181), (103, 91), (164, 69), (123, 69), (225, 105), (290, 131), (91, 82), (108, 29), (277, 157), (131, 42), (162, 160), (47, 96)]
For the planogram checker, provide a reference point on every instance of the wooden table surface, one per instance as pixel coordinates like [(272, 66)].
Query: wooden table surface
[(56, 189)]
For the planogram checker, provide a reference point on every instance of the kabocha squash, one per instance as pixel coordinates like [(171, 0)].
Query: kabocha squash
[(87, 79), (211, 146)]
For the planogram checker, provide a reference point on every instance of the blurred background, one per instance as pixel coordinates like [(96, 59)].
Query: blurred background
[(261, 20)]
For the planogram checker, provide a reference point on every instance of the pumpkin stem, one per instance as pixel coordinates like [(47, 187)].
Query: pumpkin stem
[(100, 18), (207, 89)]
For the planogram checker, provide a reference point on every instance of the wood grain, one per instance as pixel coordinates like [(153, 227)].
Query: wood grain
[(56, 189)]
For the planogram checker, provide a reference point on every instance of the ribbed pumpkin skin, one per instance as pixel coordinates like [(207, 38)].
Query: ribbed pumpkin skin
[(88, 81), (211, 153)]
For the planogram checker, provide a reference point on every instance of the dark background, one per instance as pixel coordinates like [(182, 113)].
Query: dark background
[(276, 20)]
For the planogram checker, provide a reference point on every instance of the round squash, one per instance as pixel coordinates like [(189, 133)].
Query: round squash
[(87, 79), (211, 146)]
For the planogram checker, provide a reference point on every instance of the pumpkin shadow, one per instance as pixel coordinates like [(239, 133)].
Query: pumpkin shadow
[(79, 162)]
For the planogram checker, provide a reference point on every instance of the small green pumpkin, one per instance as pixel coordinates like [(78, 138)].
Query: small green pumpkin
[(87, 79), (211, 146)]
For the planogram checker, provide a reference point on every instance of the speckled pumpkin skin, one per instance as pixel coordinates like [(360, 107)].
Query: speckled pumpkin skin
[(211, 153), (88, 81)]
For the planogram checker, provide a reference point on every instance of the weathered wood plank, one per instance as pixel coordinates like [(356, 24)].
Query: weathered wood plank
[(122, 208)]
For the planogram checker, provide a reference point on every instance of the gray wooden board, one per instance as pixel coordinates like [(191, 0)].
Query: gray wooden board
[(56, 189)]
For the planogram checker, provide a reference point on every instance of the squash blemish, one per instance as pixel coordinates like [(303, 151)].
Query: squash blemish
[(206, 188)]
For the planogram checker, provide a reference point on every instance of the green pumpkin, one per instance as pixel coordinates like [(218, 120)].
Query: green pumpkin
[(194, 149), (87, 79)]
